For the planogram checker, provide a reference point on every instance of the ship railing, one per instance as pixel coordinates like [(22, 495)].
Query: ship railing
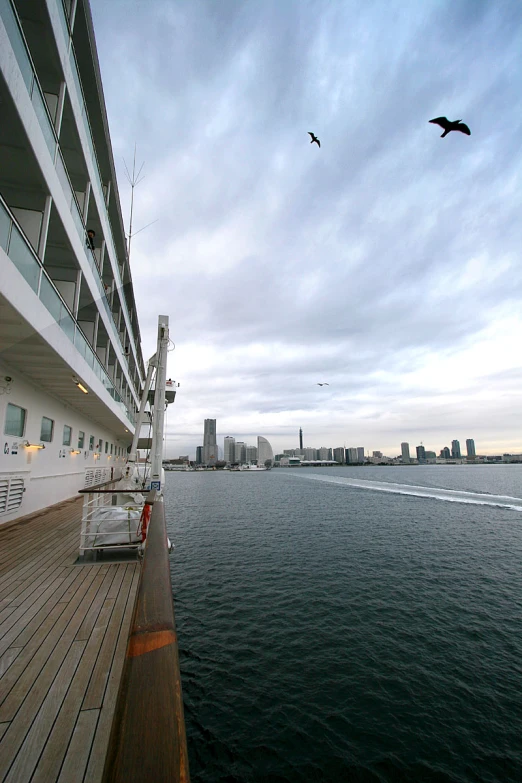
[(112, 518), (148, 740)]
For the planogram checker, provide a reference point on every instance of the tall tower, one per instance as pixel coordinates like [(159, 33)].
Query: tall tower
[(455, 449), (228, 450), (210, 450), (405, 453), (301, 438), (470, 447)]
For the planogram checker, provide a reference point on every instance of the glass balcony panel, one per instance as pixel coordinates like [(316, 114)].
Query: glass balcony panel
[(67, 324), (44, 120), (17, 42), (50, 298), (23, 258), (5, 225), (64, 180)]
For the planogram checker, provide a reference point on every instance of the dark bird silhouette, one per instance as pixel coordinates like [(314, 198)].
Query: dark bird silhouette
[(314, 138), (448, 125), (322, 384)]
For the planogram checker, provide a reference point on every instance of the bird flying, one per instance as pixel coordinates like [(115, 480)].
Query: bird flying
[(314, 138), (322, 384), (448, 125)]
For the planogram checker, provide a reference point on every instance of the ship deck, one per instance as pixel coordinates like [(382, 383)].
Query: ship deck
[(63, 636)]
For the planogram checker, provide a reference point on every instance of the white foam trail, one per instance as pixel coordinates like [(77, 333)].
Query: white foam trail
[(449, 495)]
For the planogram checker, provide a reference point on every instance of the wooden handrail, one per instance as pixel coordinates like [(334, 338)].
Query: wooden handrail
[(148, 741)]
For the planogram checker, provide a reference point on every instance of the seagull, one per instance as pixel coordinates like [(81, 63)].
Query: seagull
[(322, 384), (448, 125), (314, 138)]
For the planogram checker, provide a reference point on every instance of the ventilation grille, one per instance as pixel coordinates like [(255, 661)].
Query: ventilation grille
[(94, 476), (11, 493)]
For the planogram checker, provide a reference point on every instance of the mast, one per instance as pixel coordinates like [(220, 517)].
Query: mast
[(158, 415)]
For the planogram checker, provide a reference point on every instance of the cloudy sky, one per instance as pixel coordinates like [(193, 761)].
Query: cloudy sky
[(386, 263)]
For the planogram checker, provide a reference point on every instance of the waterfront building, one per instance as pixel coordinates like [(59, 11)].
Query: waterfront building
[(339, 455), (210, 449), (470, 448), (377, 454), (405, 453), (265, 452), (445, 453), (360, 454), (199, 455), (421, 453), (251, 454), (228, 449), (352, 458), (310, 453), (240, 452), (455, 449), (323, 453)]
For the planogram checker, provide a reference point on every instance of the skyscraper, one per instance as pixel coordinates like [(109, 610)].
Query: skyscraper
[(445, 453), (405, 453), (240, 452), (339, 456), (210, 450), (455, 449), (228, 449), (360, 454), (199, 455), (264, 451), (421, 453), (301, 438), (470, 447)]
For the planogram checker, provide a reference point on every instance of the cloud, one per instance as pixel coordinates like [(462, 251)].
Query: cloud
[(366, 262)]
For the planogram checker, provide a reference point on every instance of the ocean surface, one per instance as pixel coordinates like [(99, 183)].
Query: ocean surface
[(350, 624)]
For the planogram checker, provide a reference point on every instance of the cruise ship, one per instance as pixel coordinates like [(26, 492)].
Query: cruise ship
[(71, 367)]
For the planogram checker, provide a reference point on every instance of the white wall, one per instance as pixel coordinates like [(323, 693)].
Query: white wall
[(52, 474)]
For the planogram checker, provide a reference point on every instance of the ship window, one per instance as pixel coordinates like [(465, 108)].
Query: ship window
[(46, 432), (106, 446), (81, 439), (14, 420), (67, 435), (91, 443), (112, 446)]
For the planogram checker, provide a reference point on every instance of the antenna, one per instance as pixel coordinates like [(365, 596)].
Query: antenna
[(134, 180)]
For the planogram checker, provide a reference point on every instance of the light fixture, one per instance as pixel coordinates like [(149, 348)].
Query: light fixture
[(28, 445), (80, 385), (76, 451)]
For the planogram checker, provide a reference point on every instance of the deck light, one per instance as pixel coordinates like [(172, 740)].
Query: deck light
[(28, 445), (75, 451)]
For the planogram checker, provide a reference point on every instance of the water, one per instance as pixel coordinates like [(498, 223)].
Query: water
[(333, 632)]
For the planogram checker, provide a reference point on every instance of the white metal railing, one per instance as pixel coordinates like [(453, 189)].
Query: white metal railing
[(111, 520)]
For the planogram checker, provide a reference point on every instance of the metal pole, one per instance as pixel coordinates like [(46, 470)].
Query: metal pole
[(158, 417)]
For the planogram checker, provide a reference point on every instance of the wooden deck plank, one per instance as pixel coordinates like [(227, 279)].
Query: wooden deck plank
[(53, 651), (37, 612), (75, 762), (63, 636), (95, 692), (101, 738), (57, 744), (51, 554), (29, 752), (8, 659), (30, 607), (92, 614)]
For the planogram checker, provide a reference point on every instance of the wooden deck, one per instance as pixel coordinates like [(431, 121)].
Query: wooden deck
[(63, 635)]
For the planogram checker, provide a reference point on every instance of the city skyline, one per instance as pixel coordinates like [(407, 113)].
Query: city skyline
[(452, 447)]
